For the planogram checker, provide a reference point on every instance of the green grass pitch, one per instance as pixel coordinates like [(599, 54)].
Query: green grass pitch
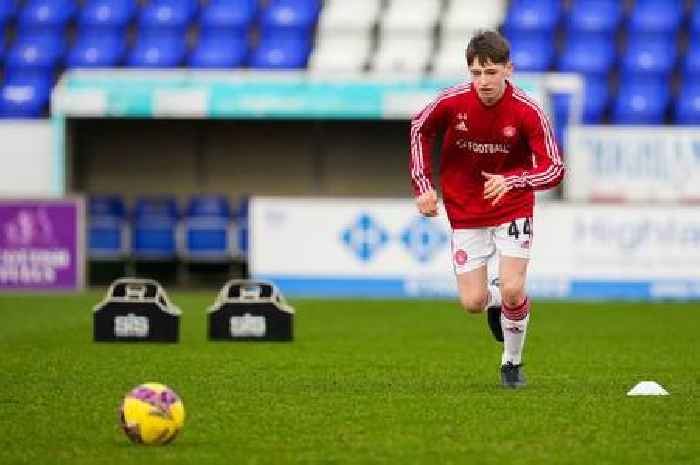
[(364, 382)]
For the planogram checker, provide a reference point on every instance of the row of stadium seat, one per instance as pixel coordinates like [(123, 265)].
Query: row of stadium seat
[(209, 230), (289, 17), (602, 17), (649, 55), (46, 51), (639, 46), (628, 56), (102, 30)]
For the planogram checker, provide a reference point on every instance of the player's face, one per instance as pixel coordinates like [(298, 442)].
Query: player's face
[(489, 79)]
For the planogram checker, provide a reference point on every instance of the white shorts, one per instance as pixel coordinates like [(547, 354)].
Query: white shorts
[(472, 248)]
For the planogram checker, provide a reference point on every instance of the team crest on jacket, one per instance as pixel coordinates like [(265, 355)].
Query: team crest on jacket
[(509, 131), (461, 122)]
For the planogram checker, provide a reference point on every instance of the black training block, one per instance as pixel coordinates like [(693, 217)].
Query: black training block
[(136, 310), (250, 311)]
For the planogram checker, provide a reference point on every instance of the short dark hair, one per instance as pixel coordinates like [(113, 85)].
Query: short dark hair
[(488, 45)]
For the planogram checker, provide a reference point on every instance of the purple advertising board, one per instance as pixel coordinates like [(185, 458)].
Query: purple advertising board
[(42, 244)]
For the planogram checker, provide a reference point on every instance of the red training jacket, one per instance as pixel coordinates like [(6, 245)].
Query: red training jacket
[(513, 138)]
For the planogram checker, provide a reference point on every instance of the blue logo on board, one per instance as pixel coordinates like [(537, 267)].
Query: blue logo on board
[(423, 238), (365, 237)]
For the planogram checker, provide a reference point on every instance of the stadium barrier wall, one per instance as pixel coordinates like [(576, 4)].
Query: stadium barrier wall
[(250, 94), (27, 152), (382, 248), (621, 163)]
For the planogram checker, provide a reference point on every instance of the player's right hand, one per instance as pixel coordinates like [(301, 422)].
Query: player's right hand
[(427, 203)]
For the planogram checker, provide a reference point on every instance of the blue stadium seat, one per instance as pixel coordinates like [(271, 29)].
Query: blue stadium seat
[(158, 50), (93, 50), (587, 54), (694, 23), (8, 10), (107, 15), (108, 227), (595, 102), (232, 16), (649, 56), (46, 15), (533, 15), (39, 51), (207, 230), (532, 54), (219, 50), (601, 17), (24, 96), (597, 95), (656, 16), (641, 101), (281, 54), (154, 224), (289, 19), (168, 15), (691, 61), (240, 217), (687, 104)]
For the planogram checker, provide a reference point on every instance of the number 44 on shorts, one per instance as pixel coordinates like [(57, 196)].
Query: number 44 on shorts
[(520, 226)]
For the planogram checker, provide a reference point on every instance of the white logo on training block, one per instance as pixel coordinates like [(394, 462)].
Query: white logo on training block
[(648, 388), (248, 326), (131, 326)]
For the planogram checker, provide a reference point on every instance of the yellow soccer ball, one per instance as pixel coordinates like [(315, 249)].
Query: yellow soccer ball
[(152, 414)]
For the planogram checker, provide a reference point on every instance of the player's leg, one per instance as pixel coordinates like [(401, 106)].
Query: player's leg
[(515, 313), (473, 289), (471, 250), (494, 307), (513, 242)]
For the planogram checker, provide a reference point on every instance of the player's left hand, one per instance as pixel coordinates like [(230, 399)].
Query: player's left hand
[(495, 187)]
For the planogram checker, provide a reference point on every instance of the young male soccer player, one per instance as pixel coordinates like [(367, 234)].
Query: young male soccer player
[(498, 148)]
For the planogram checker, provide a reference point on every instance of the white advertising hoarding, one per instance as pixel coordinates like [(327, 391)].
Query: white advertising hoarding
[(653, 163), (27, 152), (383, 248), (342, 246)]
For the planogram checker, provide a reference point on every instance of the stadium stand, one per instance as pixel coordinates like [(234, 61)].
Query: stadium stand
[(459, 20), (108, 228), (46, 16), (211, 231), (344, 37), (598, 18), (406, 36), (610, 42), (224, 27), (527, 18), (207, 231), (107, 16), (641, 100), (154, 223), (687, 105)]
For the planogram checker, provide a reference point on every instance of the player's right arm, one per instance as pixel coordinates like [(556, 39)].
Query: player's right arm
[(424, 128)]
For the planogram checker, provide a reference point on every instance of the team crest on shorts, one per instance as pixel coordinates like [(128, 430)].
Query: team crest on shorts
[(509, 131), (460, 257)]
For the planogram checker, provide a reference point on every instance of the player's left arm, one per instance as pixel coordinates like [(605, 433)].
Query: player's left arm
[(547, 167)]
